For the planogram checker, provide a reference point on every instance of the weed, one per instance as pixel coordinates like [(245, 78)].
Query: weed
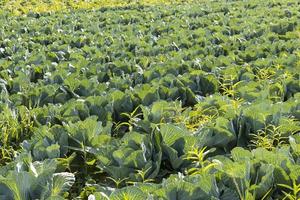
[(295, 191), (268, 138)]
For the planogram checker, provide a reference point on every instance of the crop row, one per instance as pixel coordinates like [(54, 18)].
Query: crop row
[(189, 101)]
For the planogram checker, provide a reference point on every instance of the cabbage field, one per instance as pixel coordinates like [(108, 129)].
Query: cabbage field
[(177, 101)]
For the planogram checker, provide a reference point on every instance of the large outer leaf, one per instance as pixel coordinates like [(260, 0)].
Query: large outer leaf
[(240, 154), (265, 180), (129, 193), (39, 183), (135, 152), (192, 187), (17, 186), (176, 142), (171, 133), (62, 182), (220, 135)]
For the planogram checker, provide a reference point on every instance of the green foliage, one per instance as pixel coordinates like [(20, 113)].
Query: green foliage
[(32, 180), (181, 101)]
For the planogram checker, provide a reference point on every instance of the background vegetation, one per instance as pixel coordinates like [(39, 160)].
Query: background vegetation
[(18, 7)]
